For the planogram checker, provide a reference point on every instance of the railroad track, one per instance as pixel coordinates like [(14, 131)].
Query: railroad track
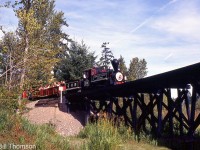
[(50, 102)]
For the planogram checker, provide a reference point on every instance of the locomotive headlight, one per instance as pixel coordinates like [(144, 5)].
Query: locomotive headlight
[(84, 76), (119, 76)]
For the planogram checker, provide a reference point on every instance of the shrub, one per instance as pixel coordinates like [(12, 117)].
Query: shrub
[(9, 105), (8, 100)]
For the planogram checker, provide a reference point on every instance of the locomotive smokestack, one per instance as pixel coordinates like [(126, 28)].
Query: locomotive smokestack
[(115, 64)]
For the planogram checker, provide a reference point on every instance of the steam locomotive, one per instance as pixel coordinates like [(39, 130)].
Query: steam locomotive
[(97, 77)]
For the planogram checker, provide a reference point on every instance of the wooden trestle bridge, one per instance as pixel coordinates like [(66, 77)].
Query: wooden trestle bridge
[(147, 104)]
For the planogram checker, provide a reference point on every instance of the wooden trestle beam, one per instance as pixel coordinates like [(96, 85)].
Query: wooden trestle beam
[(147, 104)]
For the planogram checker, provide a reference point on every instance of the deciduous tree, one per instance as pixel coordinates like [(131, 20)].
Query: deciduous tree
[(137, 69), (41, 38), (122, 65), (9, 57)]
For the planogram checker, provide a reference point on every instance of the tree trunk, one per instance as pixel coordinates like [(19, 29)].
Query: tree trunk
[(6, 75), (24, 62), (10, 79)]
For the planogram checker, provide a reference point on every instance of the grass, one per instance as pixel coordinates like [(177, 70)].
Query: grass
[(104, 135)]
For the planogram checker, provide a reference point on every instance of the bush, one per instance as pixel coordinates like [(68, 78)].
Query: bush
[(6, 94), (9, 105), (8, 100)]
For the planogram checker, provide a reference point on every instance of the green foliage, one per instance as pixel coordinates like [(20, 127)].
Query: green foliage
[(137, 69), (6, 94), (5, 122), (74, 62), (40, 42), (104, 135), (8, 100), (8, 104), (45, 136), (15, 128), (122, 65), (9, 57), (107, 55), (29, 128)]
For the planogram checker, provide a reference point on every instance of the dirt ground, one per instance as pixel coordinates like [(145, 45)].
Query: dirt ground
[(65, 124)]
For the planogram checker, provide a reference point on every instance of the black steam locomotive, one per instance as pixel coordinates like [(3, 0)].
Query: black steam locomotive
[(98, 77)]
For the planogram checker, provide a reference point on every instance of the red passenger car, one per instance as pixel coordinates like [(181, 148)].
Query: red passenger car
[(46, 91)]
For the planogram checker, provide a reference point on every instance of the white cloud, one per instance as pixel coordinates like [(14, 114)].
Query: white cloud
[(8, 20), (181, 22)]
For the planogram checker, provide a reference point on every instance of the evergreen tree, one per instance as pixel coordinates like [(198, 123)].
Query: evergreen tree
[(74, 62), (107, 55), (137, 69)]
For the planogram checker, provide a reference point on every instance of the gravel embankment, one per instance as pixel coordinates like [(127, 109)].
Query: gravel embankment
[(65, 124)]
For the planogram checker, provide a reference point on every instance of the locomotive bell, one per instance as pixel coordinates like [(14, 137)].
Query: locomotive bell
[(115, 64)]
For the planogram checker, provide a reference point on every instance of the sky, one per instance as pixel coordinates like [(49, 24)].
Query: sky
[(166, 33)]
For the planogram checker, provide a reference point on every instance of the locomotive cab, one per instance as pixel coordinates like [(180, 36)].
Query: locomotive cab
[(96, 76)]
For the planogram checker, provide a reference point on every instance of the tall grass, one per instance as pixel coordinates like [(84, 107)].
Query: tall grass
[(104, 135), (6, 122), (15, 129)]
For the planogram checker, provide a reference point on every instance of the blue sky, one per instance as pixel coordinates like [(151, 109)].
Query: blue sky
[(164, 32)]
